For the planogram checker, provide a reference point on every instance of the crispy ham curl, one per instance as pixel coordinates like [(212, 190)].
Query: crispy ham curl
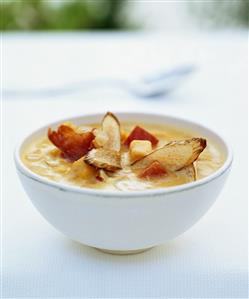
[(72, 145)]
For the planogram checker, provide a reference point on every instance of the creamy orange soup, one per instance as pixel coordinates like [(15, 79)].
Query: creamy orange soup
[(44, 158)]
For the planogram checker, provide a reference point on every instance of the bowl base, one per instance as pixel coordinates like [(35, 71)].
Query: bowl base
[(123, 252)]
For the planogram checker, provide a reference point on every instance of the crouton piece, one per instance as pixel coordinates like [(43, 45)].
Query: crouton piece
[(139, 149)]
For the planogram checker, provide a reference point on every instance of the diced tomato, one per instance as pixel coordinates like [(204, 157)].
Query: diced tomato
[(155, 169), (139, 133), (73, 145), (99, 178)]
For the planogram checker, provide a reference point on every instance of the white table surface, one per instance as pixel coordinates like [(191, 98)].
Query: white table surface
[(210, 260)]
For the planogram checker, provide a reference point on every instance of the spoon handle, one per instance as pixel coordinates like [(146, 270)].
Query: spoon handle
[(147, 87)]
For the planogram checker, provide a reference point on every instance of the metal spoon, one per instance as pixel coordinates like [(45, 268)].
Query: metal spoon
[(150, 86)]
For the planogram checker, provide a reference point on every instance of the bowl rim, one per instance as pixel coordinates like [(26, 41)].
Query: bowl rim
[(23, 169)]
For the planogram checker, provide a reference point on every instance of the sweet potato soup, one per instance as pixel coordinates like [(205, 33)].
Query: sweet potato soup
[(122, 156)]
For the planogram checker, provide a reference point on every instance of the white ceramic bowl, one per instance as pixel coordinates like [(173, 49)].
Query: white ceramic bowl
[(124, 221)]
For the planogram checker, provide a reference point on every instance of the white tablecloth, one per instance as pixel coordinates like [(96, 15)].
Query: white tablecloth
[(210, 260)]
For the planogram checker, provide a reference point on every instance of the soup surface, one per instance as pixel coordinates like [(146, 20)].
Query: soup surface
[(124, 165)]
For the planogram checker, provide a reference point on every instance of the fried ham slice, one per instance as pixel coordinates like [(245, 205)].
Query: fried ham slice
[(108, 136), (108, 145), (72, 145), (103, 159), (111, 127), (174, 155)]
